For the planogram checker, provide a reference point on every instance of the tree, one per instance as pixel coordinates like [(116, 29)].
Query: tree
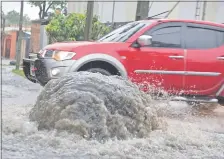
[(12, 18), (45, 6), (26, 19), (71, 27)]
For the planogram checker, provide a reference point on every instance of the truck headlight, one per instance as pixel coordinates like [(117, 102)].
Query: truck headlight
[(63, 55)]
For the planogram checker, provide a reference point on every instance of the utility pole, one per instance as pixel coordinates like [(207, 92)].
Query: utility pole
[(2, 28), (198, 9), (18, 52), (142, 10), (3, 33), (113, 14), (89, 19), (204, 10)]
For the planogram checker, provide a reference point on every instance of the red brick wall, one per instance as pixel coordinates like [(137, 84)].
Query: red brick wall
[(35, 37)]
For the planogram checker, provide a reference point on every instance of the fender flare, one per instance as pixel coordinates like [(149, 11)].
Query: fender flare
[(99, 57), (220, 91)]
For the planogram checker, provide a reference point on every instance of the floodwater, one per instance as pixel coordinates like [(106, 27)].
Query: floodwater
[(181, 135)]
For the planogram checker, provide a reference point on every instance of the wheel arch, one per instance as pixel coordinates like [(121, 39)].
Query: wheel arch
[(99, 57), (220, 92)]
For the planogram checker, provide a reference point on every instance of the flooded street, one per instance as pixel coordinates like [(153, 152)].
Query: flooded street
[(181, 137)]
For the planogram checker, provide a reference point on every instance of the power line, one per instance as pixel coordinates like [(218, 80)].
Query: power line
[(172, 9)]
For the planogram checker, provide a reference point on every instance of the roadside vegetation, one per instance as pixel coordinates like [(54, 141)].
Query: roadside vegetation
[(18, 72), (71, 28)]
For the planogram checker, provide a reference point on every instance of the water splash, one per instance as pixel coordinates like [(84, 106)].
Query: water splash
[(95, 106)]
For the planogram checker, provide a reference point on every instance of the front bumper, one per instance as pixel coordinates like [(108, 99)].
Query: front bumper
[(40, 69)]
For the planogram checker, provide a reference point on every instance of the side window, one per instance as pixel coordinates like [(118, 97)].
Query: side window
[(220, 38), (169, 37), (200, 38)]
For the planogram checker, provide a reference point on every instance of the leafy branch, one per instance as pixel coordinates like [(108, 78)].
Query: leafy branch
[(71, 27), (45, 6)]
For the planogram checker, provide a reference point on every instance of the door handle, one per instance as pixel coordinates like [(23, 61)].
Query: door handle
[(220, 58), (176, 57)]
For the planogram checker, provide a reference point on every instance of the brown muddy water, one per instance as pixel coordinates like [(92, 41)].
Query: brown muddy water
[(108, 119)]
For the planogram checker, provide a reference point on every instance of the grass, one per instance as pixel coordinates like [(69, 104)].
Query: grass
[(18, 72)]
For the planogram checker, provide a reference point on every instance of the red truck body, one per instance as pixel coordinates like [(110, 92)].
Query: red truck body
[(178, 61)]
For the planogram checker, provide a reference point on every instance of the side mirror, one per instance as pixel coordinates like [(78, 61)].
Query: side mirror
[(144, 40)]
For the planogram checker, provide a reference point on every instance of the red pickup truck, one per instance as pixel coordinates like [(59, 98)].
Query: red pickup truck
[(183, 57)]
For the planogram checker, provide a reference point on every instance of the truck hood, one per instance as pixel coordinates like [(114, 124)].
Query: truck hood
[(68, 46)]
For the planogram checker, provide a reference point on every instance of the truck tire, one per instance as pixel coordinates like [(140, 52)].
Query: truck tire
[(221, 101), (99, 70)]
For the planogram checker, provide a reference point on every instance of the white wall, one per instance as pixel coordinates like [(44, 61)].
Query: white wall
[(215, 12), (186, 10), (159, 7), (126, 11)]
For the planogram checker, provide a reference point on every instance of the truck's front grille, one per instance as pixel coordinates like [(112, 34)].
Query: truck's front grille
[(26, 70), (41, 72)]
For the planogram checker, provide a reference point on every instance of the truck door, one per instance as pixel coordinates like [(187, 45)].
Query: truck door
[(205, 58), (162, 63)]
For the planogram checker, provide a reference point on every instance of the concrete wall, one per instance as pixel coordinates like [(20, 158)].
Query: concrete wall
[(186, 10), (126, 11), (43, 36), (215, 11)]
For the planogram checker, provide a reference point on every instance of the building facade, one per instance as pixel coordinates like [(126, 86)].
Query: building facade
[(10, 43), (118, 11)]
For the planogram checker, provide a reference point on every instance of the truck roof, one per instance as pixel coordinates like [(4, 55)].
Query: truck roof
[(187, 21)]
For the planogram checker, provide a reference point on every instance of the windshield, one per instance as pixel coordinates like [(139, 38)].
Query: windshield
[(124, 32)]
